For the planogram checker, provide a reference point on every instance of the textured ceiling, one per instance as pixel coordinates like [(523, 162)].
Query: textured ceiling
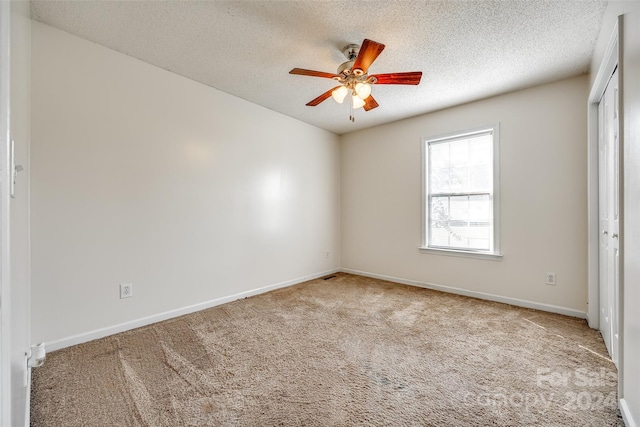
[(467, 50)]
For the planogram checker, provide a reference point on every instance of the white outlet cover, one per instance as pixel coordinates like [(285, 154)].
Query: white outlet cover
[(126, 290), (550, 278)]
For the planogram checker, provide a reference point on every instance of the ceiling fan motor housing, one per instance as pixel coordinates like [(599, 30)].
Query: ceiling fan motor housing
[(345, 68), (350, 51)]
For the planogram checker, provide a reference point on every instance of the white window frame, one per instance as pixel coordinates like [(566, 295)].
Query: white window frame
[(495, 253)]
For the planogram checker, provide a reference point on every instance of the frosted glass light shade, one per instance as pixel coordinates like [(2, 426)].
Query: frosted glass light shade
[(339, 94), (357, 102), (363, 90)]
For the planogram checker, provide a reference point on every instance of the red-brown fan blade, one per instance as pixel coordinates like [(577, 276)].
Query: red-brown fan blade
[(370, 103), (303, 72), (321, 98), (368, 53), (410, 78)]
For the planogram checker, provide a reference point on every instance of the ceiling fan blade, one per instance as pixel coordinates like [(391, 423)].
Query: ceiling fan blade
[(303, 72), (368, 53), (321, 98), (410, 78), (370, 103)]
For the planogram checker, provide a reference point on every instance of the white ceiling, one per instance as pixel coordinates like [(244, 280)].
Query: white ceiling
[(467, 50)]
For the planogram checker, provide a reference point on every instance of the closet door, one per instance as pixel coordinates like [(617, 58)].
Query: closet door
[(609, 214)]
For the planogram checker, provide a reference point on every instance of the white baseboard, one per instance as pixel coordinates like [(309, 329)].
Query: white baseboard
[(110, 330), (480, 295), (626, 414)]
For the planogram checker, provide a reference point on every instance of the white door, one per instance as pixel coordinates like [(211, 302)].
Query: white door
[(609, 214)]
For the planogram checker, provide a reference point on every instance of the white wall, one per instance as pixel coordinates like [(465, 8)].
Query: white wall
[(142, 176), (630, 363), (543, 167)]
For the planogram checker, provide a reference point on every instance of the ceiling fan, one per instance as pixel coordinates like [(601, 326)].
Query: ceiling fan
[(355, 80)]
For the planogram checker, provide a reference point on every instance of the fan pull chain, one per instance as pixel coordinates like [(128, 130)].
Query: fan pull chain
[(351, 114)]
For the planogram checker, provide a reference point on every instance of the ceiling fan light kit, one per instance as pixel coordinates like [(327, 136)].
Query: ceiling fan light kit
[(354, 78), (357, 102), (339, 94)]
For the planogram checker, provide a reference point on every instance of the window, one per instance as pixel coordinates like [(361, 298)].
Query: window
[(460, 197)]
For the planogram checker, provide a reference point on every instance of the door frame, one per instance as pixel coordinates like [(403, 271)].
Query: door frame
[(612, 58), (5, 277)]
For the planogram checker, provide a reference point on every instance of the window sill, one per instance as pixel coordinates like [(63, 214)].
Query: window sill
[(462, 254)]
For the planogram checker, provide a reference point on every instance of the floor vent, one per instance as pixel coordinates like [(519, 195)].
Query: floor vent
[(329, 277)]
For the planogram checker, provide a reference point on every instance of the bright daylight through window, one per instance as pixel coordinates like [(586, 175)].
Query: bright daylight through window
[(460, 207)]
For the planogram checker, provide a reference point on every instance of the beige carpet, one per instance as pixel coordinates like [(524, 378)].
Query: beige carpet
[(338, 352)]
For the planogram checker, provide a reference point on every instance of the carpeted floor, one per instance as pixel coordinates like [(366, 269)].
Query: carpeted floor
[(339, 352)]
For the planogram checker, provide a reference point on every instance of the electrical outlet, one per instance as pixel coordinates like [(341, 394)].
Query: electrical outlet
[(550, 278), (327, 254), (126, 290)]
